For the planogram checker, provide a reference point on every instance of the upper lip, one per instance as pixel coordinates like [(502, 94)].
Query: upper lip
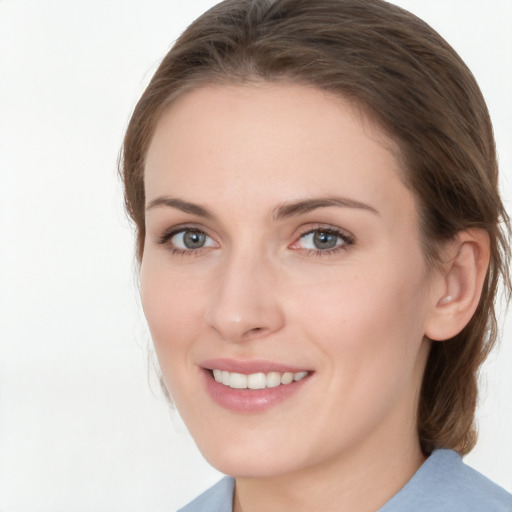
[(249, 366)]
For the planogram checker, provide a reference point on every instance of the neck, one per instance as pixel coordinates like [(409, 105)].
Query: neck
[(361, 481)]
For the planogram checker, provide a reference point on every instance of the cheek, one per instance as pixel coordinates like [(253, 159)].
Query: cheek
[(172, 306), (373, 318)]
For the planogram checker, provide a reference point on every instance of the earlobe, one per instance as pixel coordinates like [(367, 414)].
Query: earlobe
[(461, 280)]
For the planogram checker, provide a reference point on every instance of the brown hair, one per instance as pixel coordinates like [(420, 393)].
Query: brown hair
[(407, 78)]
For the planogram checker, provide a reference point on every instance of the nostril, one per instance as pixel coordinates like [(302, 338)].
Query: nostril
[(254, 332)]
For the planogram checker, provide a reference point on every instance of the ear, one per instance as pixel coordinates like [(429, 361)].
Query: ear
[(459, 284)]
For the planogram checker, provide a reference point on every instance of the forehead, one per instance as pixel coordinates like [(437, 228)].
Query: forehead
[(265, 143)]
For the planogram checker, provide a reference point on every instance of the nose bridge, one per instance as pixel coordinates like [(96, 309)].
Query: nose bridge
[(245, 303)]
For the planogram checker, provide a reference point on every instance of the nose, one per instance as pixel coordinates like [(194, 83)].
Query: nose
[(245, 302)]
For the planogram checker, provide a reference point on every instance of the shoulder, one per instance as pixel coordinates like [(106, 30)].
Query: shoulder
[(218, 498), (445, 484)]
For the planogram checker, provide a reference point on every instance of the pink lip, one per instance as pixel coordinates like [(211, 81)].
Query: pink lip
[(248, 400), (248, 366)]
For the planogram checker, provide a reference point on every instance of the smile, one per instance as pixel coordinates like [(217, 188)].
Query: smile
[(259, 380), (252, 386)]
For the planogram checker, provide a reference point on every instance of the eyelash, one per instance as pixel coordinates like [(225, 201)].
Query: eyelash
[(347, 240), (165, 238)]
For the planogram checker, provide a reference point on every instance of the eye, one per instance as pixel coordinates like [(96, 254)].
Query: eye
[(320, 240), (187, 240), (324, 240)]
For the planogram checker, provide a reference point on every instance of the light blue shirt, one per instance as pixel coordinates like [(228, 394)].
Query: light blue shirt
[(442, 484)]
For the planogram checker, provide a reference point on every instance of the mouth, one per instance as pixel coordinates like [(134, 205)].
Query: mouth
[(252, 386), (259, 380)]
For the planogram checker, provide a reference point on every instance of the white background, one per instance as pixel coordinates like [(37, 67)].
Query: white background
[(82, 425)]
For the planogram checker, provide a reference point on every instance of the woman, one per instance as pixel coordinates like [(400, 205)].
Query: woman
[(314, 186)]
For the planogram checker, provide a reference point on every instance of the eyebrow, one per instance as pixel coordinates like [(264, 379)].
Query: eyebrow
[(300, 207), (179, 204), (281, 212)]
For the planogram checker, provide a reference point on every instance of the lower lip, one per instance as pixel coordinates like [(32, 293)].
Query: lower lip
[(249, 400)]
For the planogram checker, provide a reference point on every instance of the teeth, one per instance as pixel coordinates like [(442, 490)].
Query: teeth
[(287, 378), (273, 379), (256, 380), (238, 381)]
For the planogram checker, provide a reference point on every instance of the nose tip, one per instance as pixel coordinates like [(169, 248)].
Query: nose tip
[(238, 330), (246, 304), (239, 321)]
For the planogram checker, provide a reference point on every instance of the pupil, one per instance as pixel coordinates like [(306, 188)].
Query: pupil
[(193, 239), (323, 240)]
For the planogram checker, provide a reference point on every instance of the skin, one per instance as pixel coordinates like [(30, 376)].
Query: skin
[(260, 289)]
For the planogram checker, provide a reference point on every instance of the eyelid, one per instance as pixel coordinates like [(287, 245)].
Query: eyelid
[(169, 233), (347, 238), (188, 226)]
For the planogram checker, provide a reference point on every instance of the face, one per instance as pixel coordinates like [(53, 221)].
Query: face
[(283, 279)]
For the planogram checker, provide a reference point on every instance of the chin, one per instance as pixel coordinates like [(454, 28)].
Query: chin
[(261, 467), (251, 459)]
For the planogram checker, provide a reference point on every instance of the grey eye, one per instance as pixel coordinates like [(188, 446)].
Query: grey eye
[(321, 240), (325, 240), (191, 239)]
